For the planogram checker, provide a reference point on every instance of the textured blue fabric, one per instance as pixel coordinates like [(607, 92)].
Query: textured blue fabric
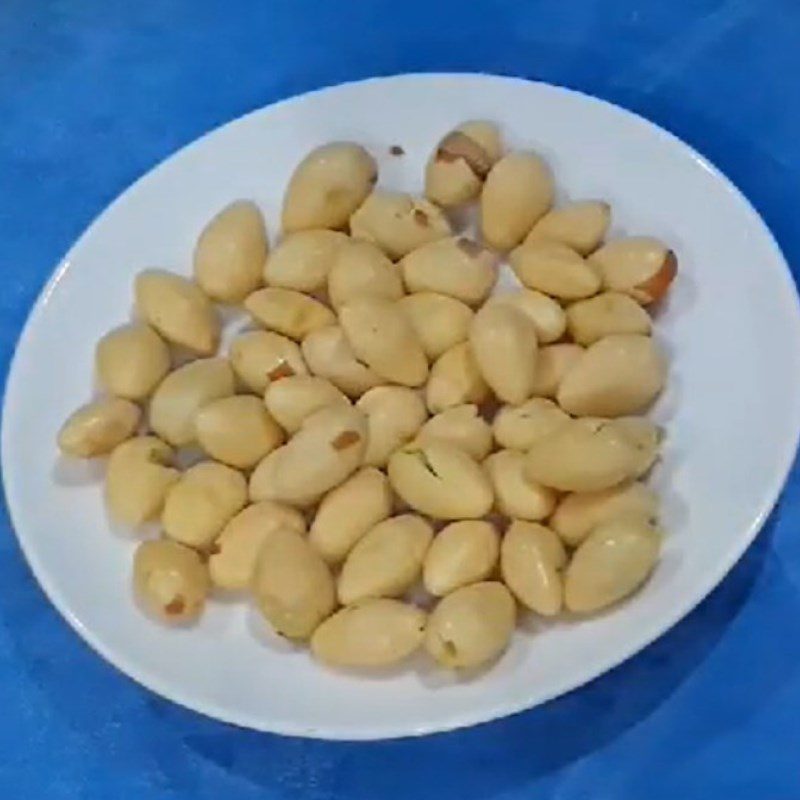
[(95, 92)]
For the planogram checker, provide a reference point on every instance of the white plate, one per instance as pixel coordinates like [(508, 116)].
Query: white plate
[(733, 408)]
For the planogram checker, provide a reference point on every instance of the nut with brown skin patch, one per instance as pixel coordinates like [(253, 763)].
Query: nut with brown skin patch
[(457, 145), (345, 439), (283, 370)]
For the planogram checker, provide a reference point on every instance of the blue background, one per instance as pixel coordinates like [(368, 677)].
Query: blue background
[(94, 93)]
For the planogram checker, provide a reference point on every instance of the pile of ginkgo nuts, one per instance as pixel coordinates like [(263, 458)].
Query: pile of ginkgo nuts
[(394, 457)]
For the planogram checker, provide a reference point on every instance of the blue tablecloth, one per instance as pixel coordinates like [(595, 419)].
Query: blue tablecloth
[(94, 92)]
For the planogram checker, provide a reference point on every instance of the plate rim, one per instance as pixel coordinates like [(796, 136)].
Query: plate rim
[(498, 710)]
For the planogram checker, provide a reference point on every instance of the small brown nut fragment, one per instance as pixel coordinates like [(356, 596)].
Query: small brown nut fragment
[(640, 266), (455, 380), (440, 321), (230, 253), (238, 430), (546, 314), (235, 552), (454, 266), (371, 634), (303, 260), (327, 186), (615, 559), (503, 342), (461, 553), (382, 337), (552, 364), (292, 586), (517, 192), (606, 314), (618, 375), (97, 428), (348, 512), (170, 580), (555, 269), (292, 400), (321, 455), (580, 226), (515, 496), (138, 477), (178, 309), (386, 561), (583, 457), (519, 427), (472, 626), (361, 268), (131, 361), (398, 223), (462, 426), (531, 560), (578, 514), (329, 355), (290, 313), (394, 416), (259, 358), (441, 481), (183, 393), (200, 504)]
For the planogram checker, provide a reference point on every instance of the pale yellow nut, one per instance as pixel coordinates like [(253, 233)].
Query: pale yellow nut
[(555, 269), (531, 559), (97, 428), (178, 309), (578, 514), (455, 266), (321, 455), (472, 626), (260, 358), (386, 561), (170, 580), (371, 634), (645, 436), (462, 426), (138, 477), (440, 480), (618, 375), (546, 314), (131, 361), (517, 192), (292, 586), (440, 321), (362, 269), (287, 312), (552, 364), (581, 226), (329, 355), (454, 380), (229, 255), (606, 314), (503, 342), (398, 223), (461, 553), (395, 415), (327, 186), (640, 266), (614, 560), (487, 135), (201, 503), (347, 512), (292, 400), (519, 427), (382, 337), (515, 496), (238, 431), (234, 554), (579, 457), (183, 393), (303, 260)]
